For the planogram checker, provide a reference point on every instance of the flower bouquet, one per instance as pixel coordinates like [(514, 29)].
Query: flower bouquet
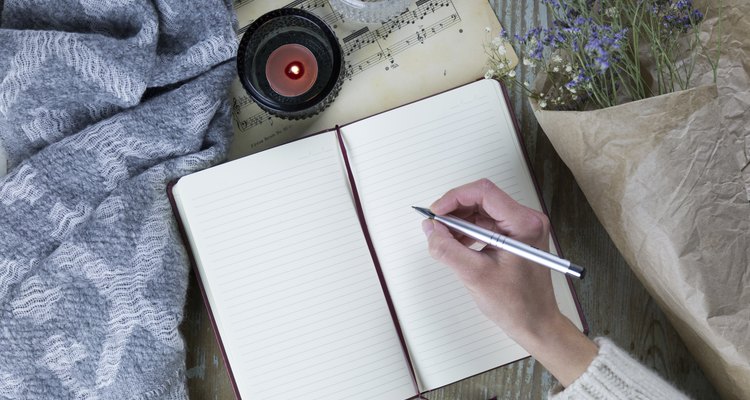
[(656, 130)]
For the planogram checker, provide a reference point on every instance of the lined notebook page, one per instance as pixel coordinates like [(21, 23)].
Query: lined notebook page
[(411, 156), (289, 278)]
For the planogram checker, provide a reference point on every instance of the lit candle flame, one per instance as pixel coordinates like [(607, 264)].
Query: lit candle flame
[(295, 70)]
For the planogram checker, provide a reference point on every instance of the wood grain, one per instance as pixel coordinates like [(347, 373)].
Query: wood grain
[(616, 305)]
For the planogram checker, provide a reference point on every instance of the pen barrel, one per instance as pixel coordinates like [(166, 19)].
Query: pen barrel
[(538, 256), (511, 245)]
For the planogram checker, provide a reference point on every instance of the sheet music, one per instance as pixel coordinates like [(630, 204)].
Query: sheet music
[(411, 156), (289, 277), (433, 46)]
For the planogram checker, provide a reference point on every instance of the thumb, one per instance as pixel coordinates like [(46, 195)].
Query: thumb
[(446, 249)]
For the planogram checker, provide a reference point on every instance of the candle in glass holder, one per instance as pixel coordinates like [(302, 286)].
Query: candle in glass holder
[(291, 70), (290, 63)]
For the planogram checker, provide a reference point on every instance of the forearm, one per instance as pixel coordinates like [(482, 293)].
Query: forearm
[(558, 345)]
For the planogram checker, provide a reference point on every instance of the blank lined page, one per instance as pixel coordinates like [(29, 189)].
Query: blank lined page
[(411, 156), (289, 278)]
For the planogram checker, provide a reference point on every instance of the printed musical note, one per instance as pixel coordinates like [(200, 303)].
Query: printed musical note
[(308, 5), (358, 40), (240, 102), (254, 120)]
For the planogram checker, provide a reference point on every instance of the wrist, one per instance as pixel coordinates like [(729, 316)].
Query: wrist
[(558, 345)]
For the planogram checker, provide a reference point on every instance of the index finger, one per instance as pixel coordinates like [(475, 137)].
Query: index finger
[(482, 197)]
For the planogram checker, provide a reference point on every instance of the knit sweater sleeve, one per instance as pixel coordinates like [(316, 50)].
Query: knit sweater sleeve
[(613, 374)]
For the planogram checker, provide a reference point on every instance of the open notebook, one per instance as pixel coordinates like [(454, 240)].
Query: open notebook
[(299, 304)]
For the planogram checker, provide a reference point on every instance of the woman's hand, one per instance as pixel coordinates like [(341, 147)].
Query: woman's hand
[(514, 293)]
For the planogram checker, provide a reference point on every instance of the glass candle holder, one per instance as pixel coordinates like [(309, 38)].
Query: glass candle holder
[(369, 11), (290, 63)]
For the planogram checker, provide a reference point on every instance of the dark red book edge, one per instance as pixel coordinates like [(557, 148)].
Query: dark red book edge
[(360, 215)]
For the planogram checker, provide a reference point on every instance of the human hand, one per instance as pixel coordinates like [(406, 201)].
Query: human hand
[(514, 293), (511, 291)]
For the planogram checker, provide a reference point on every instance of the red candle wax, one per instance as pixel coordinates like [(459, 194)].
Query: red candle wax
[(291, 70)]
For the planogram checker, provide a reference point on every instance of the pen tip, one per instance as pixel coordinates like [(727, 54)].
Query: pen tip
[(424, 211)]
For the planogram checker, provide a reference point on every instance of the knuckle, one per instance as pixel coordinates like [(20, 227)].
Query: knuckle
[(486, 185), (438, 248), (536, 223)]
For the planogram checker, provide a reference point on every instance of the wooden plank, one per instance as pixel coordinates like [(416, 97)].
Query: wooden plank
[(615, 303)]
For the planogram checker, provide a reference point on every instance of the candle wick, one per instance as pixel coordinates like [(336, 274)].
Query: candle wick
[(295, 70)]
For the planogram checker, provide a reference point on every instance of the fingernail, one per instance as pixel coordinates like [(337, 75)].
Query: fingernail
[(427, 227)]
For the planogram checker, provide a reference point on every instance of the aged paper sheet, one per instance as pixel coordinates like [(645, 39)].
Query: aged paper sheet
[(433, 46)]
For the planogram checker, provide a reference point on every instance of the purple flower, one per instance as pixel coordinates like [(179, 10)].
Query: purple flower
[(604, 45), (676, 16)]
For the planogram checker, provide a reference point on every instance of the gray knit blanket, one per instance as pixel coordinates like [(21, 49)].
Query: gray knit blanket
[(102, 103)]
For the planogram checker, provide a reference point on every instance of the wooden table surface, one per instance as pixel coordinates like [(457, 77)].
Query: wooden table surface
[(615, 303)]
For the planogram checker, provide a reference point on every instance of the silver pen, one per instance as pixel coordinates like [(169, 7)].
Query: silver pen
[(505, 243)]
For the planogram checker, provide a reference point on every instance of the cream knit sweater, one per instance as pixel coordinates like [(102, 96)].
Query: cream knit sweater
[(615, 375)]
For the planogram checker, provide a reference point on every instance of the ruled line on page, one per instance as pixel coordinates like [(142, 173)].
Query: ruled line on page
[(358, 386), (426, 181), (455, 160), (283, 235), (277, 261), (316, 325), (255, 181), (428, 134), (396, 131), (238, 208), (269, 232), (279, 279), (287, 217), (353, 283), (448, 366), (249, 321), (317, 351)]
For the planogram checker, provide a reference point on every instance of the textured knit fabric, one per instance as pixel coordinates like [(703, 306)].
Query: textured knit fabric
[(102, 103), (615, 375)]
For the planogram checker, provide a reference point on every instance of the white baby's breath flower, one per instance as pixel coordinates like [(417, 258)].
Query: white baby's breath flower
[(556, 58), (611, 12), (543, 104), (568, 68), (501, 66), (527, 84), (489, 74), (501, 49), (512, 73), (556, 69)]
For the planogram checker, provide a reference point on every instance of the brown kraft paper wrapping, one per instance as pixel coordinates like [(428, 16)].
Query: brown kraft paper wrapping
[(668, 178)]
